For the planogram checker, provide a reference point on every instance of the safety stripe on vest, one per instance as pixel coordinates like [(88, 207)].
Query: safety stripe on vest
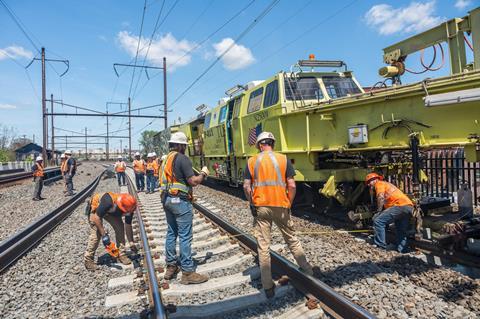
[(278, 182), (171, 186)]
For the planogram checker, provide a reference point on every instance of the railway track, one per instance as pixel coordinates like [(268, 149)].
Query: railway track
[(21, 242), (51, 174), (227, 255)]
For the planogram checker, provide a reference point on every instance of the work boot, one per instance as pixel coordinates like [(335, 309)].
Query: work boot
[(124, 259), (171, 272), (191, 277), (90, 264), (36, 199), (270, 292)]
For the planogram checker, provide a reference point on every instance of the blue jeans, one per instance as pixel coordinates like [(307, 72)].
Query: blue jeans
[(400, 215), (121, 177), (140, 181), (179, 219), (150, 183), (69, 182)]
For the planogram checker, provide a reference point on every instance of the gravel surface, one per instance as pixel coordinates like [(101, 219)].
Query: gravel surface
[(386, 283), (17, 209), (51, 280)]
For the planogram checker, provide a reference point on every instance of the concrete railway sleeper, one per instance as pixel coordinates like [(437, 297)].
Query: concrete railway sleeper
[(229, 260), (20, 243)]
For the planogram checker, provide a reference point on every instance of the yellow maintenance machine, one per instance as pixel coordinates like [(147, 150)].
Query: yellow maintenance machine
[(335, 131)]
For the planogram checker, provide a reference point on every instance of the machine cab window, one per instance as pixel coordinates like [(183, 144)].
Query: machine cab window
[(271, 94), (338, 87), (255, 101), (223, 114), (302, 88), (207, 120)]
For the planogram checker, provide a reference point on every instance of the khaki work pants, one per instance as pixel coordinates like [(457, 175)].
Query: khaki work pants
[(94, 239), (263, 226)]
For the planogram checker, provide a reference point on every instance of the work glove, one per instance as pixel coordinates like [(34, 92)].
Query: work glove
[(253, 210), (205, 170), (106, 240)]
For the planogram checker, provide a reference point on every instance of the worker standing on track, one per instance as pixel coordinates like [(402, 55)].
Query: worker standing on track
[(70, 170), (150, 172), (38, 175), (156, 167), (270, 188), (176, 185), (63, 163), (139, 169), (111, 207), (120, 167), (393, 206)]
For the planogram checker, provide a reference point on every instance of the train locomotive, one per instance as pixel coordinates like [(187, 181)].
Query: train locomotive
[(335, 131)]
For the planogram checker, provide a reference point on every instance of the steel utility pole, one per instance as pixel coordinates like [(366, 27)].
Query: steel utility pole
[(107, 144), (53, 132), (165, 91), (129, 130), (86, 149), (121, 148), (44, 110)]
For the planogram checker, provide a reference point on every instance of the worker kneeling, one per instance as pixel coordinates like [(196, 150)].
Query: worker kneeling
[(393, 206), (270, 188), (111, 207)]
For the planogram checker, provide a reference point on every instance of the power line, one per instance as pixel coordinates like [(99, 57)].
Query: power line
[(244, 33), (194, 23), (138, 46)]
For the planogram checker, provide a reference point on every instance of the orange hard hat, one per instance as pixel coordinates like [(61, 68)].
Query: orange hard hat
[(127, 203), (370, 177)]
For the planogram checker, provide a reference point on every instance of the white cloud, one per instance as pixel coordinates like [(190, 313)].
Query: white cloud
[(15, 52), (462, 4), (166, 46), (102, 38), (238, 57), (415, 17), (7, 106)]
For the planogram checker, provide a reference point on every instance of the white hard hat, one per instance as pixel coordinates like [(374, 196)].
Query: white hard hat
[(119, 156), (154, 154), (62, 156), (264, 136), (68, 152), (137, 154), (164, 157), (178, 138), (39, 158), (149, 155)]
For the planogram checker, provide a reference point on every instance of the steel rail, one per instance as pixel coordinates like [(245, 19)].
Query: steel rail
[(156, 301), (336, 304), (5, 179), (20, 243)]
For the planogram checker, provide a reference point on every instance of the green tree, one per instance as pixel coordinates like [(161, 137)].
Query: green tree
[(147, 142)]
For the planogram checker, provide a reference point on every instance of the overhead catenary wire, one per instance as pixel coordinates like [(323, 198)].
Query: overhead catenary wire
[(236, 40), (138, 45)]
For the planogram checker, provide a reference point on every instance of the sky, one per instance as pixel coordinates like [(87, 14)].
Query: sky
[(93, 35)]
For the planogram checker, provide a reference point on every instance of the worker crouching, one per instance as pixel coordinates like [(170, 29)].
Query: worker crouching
[(270, 188), (111, 207), (38, 175), (176, 185), (393, 206)]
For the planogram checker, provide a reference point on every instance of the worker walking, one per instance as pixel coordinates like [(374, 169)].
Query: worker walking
[(70, 170), (393, 206), (156, 167), (270, 188), (139, 167), (150, 172), (38, 175), (111, 207), (120, 167), (176, 185)]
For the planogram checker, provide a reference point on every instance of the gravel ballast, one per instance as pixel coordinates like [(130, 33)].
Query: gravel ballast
[(51, 281), (17, 209), (386, 283)]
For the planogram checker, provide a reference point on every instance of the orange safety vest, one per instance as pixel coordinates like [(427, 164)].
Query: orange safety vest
[(269, 183), (393, 196), (120, 167), (63, 166), (169, 181), (156, 167), (139, 166), (96, 200), (151, 166), (39, 171)]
